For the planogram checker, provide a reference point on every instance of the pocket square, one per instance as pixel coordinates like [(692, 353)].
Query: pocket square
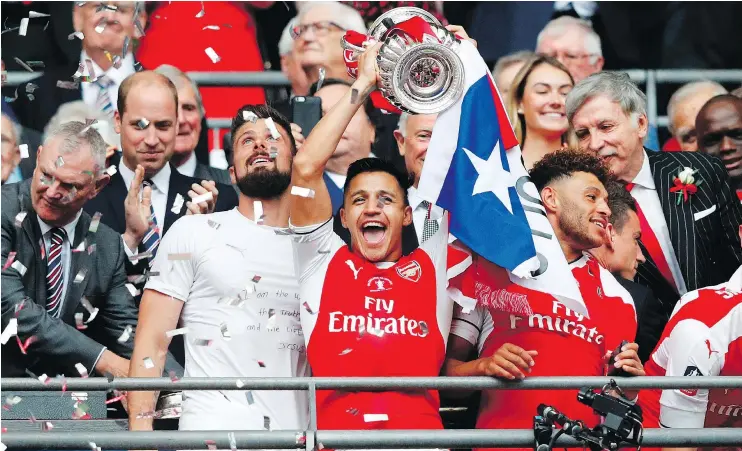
[(704, 213)]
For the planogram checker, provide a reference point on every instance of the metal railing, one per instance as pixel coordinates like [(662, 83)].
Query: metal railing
[(312, 438), (648, 78)]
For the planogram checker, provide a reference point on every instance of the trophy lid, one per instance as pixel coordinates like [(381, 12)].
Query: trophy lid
[(394, 16)]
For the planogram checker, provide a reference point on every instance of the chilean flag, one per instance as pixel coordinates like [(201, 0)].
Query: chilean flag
[(474, 170)]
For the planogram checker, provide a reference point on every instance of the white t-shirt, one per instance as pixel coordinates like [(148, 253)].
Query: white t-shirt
[(240, 291)]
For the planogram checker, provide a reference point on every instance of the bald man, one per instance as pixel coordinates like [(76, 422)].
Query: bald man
[(683, 108), (145, 184), (719, 128)]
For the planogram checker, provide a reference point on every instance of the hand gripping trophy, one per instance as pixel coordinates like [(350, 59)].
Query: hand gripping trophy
[(419, 69)]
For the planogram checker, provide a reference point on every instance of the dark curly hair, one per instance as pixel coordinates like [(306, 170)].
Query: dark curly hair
[(620, 202), (563, 163), (365, 165)]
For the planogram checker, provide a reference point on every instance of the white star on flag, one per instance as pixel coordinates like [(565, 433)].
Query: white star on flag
[(492, 176)]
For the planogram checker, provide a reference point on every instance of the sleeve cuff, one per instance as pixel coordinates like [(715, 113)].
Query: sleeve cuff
[(128, 251), (95, 363)]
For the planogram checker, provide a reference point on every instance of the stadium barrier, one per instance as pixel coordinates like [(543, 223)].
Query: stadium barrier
[(313, 439)]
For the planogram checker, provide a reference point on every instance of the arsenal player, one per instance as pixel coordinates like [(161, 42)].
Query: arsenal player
[(703, 338), (546, 338), (367, 307)]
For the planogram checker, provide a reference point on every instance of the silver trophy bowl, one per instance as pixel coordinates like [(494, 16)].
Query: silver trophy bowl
[(416, 77)]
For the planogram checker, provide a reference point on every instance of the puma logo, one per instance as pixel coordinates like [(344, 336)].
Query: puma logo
[(711, 351), (353, 268)]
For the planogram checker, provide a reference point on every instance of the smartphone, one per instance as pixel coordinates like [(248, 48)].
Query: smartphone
[(306, 112)]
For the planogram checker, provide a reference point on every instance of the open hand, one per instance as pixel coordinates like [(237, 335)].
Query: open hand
[(459, 31), (137, 212)]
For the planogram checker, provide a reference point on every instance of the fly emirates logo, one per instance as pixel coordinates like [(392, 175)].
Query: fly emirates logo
[(571, 323), (340, 322)]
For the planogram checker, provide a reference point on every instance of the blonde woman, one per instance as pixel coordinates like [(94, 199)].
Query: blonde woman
[(536, 107)]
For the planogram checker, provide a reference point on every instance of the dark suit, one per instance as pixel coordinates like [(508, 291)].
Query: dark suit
[(204, 172), (59, 345), (708, 248), (650, 316)]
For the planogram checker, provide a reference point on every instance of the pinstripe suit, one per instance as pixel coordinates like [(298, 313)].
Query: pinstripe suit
[(703, 230)]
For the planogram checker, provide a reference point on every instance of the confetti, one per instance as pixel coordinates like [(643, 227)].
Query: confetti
[(213, 224), (211, 27), (186, 256), (11, 257), (59, 163), (258, 211), (126, 334), (273, 153), (424, 326), (376, 332), (81, 275), (24, 150), (139, 27), (239, 383), (353, 411), (272, 128), (177, 204), (93, 446), (82, 370), (249, 397), (261, 364), (202, 342), (117, 61), (101, 26), (225, 332), (202, 12), (18, 266), (267, 423), (134, 259), (321, 79), (374, 417), (22, 64), (173, 376), (79, 324), (111, 170), (10, 330), (70, 196), (174, 332), (346, 351), (302, 192), (205, 197), (36, 15), (24, 27), (68, 84), (307, 308), (19, 218), (118, 396), (46, 180), (95, 222), (47, 426), (212, 54), (353, 96), (93, 311), (211, 444), (249, 116), (232, 441), (39, 64), (108, 55), (77, 34), (143, 123), (148, 363), (24, 346), (44, 379)]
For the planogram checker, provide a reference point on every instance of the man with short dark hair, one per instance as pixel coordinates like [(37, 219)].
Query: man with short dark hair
[(719, 127), (510, 343)]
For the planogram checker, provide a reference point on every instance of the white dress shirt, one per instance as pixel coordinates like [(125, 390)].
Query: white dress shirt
[(160, 186), (338, 179), (645, 194), (189, 167), (90, 90), (419, 212)]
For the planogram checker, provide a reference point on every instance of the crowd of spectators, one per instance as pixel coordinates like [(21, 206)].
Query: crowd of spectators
[(133, 245)]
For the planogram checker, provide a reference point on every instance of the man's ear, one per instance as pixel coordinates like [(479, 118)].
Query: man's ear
[(342, 217), (117, 121), (399, 137), (100, 183), (232, 176), (77, 13), (642, 126), (407, 216), (549, 199), (611, 233)]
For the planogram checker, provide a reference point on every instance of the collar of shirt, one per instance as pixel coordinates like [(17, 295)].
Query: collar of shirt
[(189, 167), (580, 262), (415, 200), (735, 283), (69, 228), (161, 180), (644, 177), (116, 75)]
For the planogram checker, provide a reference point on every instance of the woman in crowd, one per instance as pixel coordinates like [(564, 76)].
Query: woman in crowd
[(536, 106)]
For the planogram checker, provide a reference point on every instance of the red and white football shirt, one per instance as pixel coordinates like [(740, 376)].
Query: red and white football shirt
[(702, 338), (568, 343), (374, 320)]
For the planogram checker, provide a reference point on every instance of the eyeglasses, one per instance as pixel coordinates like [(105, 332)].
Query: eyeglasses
[(568, 57), (321, 28)]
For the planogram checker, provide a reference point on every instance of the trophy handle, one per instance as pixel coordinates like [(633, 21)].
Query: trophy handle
[(348, 46)]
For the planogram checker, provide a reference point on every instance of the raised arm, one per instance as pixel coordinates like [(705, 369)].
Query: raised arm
[(309, 163)]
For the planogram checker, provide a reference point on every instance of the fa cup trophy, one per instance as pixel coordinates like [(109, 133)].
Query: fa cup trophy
[(419, 69)]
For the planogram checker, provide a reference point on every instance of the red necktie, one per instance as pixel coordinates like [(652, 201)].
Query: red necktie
[(739, 195), (652, 244)]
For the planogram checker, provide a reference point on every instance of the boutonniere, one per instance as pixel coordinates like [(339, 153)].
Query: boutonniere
[(685, 184)]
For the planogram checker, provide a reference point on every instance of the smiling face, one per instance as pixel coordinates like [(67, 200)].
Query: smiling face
[(719, 126), (569, 48), (375, 212), (117, 20), (626, 253), (148, 127), (413, 142), (604, 129), (262, 164), (543, 103), (189, 119)]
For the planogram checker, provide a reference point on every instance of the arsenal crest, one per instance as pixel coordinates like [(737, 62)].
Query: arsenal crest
[(410, 271)]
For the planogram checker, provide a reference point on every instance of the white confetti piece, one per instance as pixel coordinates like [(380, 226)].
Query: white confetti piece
[(346, 351), (213, 224), (143, 123), (148, 363), (93, 311), (24, 27), (47, 426), (186, 256), (212, 54), (174, 332), (19, 218), (18, 266), (226, 334), (374, 417), (267, 423), (10, 330), (201, 13), (44, 379), (249, 397), (302, 192), (239, 383), (272, 128), (258, 211), (80, 276), (211, 27), (101, 26), (177, 204), (82, 370), (77, 34), (202, 342), (36, 15), (205, 197), (79, 323), (132, 289), (249, 116), (126, 334), (95, 222), (23, 148)]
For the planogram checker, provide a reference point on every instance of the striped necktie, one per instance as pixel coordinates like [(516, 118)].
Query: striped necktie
[(103, 102), (152, 239), (55, 273), (430, 226)]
